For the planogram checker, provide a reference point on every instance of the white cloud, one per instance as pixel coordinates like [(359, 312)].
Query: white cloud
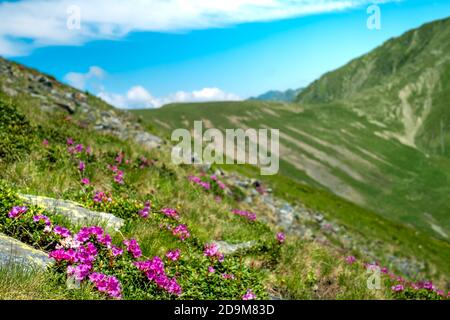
[(80, 80), (138, 97), (44, 22)]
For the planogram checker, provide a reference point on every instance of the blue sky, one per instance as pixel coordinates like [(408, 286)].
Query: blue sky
[(145, 60)]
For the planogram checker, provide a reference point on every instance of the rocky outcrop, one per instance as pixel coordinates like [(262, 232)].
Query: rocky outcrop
[(228, 248), (13, 253), (54, 97), (74, 212)]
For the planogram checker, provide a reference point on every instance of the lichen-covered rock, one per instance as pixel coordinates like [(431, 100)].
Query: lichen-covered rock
[(74, 212), (228, 248), (14, 252)]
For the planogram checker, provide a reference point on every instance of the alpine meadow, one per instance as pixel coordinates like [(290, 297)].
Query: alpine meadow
[(94, 207)]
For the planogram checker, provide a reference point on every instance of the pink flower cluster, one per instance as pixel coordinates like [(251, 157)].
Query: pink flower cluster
[(199, 181), (249, 295), (107, 284), (80, 253), (119, 158), (206, 185), (154, 270), (78, 148), (402, 284), (246, 214), (219, 183), (133, 248), (170, 212), (63, 232), (100, 196), (281, 237), (118, 178), (41, 217), (211, 250), (228, 276), (173, 255), (145, 212), (181, 231), (350, 259), (17, 211), (81, 166)]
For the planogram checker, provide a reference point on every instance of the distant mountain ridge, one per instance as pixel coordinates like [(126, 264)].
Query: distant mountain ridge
[(289, 95)]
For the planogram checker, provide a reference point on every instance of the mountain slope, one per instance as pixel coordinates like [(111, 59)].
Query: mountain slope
[(369, 132), (403, 84), (289, 95)]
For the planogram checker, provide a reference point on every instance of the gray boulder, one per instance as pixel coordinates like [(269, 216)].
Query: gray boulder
[(74, 212), (228, 248), (13, 252)]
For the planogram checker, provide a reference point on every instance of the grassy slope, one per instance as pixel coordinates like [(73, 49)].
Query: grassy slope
[(302, 270)]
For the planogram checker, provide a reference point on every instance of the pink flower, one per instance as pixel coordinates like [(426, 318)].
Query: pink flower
[(79, 148), (119, 157), (145, 212), (45, 142), (133, 248), (63, 255), (79, 272), (173, 255), (87, 253), (63, 232), (228, 276), (85, 181), (170, 212), (39, 218), (249, 295), (101, 197), (113, 168), (118, 178), (17, 211), (211, 269), (89, 150), (104, 239), (154, 270), (107, 284), (212, 251), (116, 251), (398, 288), (246, 214), (70, 141), (181, 231), (281, 237), (81, 166), (350, 259)]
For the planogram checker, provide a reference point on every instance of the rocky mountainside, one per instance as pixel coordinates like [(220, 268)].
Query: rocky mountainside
[(403, 84), (53, 96)]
